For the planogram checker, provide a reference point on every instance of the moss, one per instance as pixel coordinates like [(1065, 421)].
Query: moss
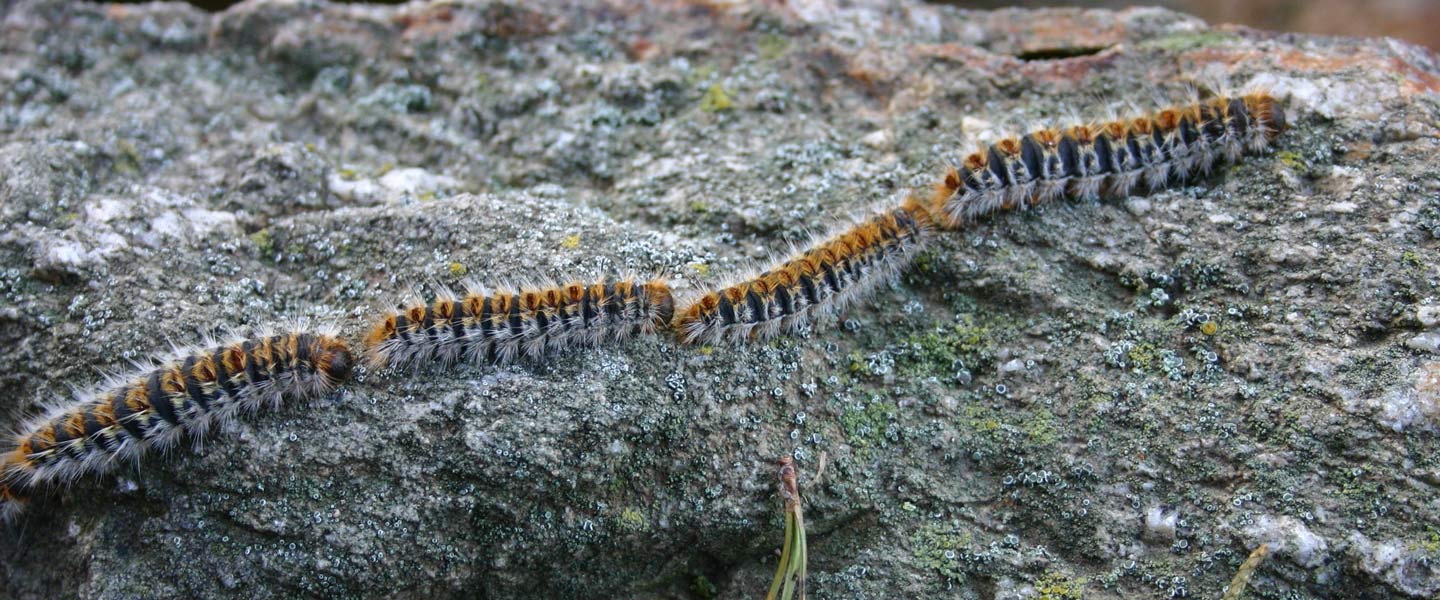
[(968, 345), (631, 519), (984, 424), (716, 99), (703, 588), (1291, 159), (870, 425), (1357, 483), (127, 158), (1041, 428), (858, 367), (700, 73), (1412, 260), (923, 264), (771, 46), (264, 242), (1057, 586), (1431, 544), (943, 550), (1142, 356)]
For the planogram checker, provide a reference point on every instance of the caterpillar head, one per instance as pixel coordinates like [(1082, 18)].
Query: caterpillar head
[(1267, 111)]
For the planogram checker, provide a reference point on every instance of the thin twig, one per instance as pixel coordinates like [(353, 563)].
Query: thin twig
[(1242, 578)]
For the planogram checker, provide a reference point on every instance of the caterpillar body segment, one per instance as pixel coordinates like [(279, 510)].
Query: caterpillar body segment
[(824, 279), (1113, 158), (513, 322)]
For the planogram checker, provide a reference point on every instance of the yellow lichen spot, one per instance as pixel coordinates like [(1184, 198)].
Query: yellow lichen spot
[(1142, 355), (264, 241), (348, 174), (771, 46), (385, 168), (1055, 586), (716, 100), (707, 350), (570, 242), (458, 270), (127, 157), (701, 268), (1209, 328), (631, 518)]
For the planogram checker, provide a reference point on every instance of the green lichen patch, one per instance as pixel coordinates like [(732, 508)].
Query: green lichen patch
[(1183, 42), (872, 423)]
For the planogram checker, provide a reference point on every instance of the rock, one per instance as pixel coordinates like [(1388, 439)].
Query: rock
[(1425, 342), (416, 182), (1409, 569), (1290, 538), (1428, 315), (880, 139), (168, 175), (282, 178), (1160, 522)]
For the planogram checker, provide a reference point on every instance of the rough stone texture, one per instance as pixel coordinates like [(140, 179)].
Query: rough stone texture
[(1034, 410)]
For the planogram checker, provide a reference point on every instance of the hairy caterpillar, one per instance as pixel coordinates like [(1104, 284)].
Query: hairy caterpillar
[(12, 501), (823, 279), (157, 408), (501, 326), (1112, 158)]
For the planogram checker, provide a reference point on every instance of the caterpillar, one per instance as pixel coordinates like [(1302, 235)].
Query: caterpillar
[(12, 501), (1111, 158), (159, 407), (501, 326), (823, 279)]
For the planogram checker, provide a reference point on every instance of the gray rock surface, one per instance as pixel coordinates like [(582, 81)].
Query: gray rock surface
[(1036, 410)]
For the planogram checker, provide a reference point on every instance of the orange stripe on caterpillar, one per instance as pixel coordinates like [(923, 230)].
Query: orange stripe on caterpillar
[(157, 408), (1112, 158), (824, 279), (530, 321), (12, 501)]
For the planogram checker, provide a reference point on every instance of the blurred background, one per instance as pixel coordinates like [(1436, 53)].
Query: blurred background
[(1416, 21)]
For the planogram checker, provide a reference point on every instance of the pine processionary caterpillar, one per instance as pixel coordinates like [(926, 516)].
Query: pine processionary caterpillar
[(824, 279), (159, 407), (1111, 158), (501, 326), (12, 501), (184, 398)]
